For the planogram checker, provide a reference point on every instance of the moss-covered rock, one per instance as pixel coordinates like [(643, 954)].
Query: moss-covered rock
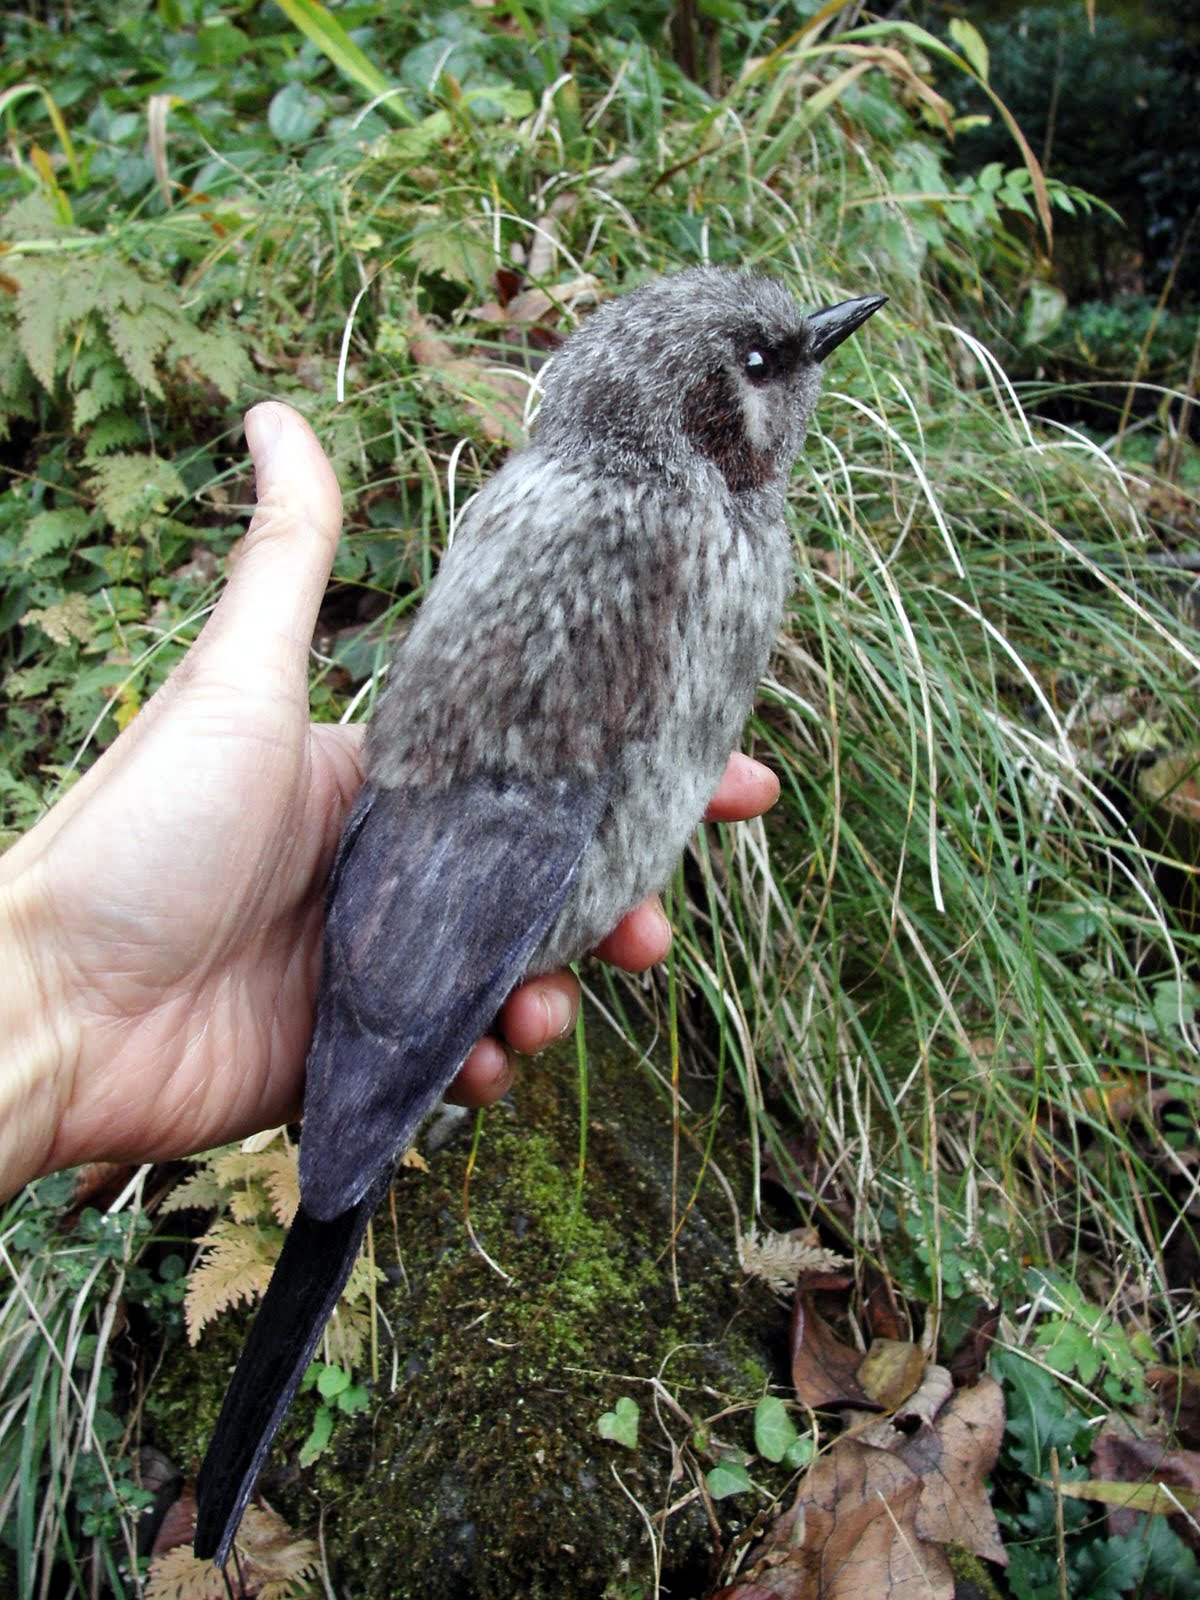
[(479, 1469)]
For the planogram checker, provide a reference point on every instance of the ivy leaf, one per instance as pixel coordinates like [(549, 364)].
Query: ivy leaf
[(799, 1453), (728, 1477), (331, 1381), (774, 1431), (621, 1423)]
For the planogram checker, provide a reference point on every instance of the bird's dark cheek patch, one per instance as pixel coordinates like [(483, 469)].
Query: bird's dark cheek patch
[(713, 422)]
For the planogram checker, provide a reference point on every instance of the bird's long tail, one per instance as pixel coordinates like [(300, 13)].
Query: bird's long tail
[(311, 1272)]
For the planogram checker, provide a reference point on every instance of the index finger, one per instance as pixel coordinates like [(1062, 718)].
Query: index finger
[(746, 789)]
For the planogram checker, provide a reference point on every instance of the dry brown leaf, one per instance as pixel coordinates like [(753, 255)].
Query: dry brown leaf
[(921, 1407), (928, 1398), (851, 1534), (824, 1370), (968, 1361), (952, 1459), (875, 1510), (881, 1312), (98, 1182), (494, 394), (525, 307), (890, 1371), (1178, 1391), (1120, 1460), (178, 1525)]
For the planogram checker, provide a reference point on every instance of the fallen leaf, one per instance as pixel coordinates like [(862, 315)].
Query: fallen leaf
[(495, 394), (952, 1458), (1178, 1391), (1151, 1498), (824, 1370), (851, 1534), (97, 1183), (1134, 1475), (874, 1511), (881, 1312), (270, 1559), (968, 1361), (921, 1407), (890, 1371)]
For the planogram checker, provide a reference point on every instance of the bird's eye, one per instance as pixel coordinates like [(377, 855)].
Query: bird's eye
[(757, 365)]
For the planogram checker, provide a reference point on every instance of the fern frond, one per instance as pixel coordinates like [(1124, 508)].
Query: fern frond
[(113, 432), (200, 1192), (132, 490), (235, 1267), (39, 299), (50, 531), (215, 357)]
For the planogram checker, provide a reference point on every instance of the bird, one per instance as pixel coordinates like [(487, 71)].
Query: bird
[(553, 725)]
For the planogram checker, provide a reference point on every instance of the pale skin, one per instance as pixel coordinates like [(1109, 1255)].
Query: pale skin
[(160, 927)]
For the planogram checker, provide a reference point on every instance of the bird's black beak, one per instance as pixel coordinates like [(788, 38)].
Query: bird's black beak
[(829, 327)]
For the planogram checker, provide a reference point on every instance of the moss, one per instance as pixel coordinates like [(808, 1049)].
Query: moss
[(481, 1472)]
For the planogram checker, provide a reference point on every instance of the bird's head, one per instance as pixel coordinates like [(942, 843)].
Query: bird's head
[(707, 366)]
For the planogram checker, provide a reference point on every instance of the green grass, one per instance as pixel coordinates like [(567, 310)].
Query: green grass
[(947, 959)]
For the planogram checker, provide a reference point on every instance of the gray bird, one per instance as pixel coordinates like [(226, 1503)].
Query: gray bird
[(554, 724)]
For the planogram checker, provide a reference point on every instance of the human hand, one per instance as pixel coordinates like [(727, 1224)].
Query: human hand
[(167, 912)]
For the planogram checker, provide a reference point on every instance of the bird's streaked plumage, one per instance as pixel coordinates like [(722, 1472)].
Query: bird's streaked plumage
[(554, 724)]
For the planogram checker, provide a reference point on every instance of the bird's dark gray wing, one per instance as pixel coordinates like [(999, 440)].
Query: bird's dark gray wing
[(437, 902), (435, 906)]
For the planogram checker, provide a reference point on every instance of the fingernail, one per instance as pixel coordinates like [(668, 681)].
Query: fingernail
[(665, 931), (263, 428), (560, 1014), (503, 1081)]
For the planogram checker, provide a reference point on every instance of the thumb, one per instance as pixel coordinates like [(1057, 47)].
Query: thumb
[(262, 626), (259, 633)]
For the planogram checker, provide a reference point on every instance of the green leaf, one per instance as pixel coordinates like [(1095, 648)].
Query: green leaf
[(318, 1439), (132, 490), (774, 1431), (1068, 1348), (295, 113), (970, 41), (454, 249), (1067, 927), (728, 1477), (799, 1454), (991, 177), (331, 1381), (352, 1399), (52, 530), (621, 1423), (414, 144)]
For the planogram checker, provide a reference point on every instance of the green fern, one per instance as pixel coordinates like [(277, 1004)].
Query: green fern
[(133, 490), (99, 332)]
